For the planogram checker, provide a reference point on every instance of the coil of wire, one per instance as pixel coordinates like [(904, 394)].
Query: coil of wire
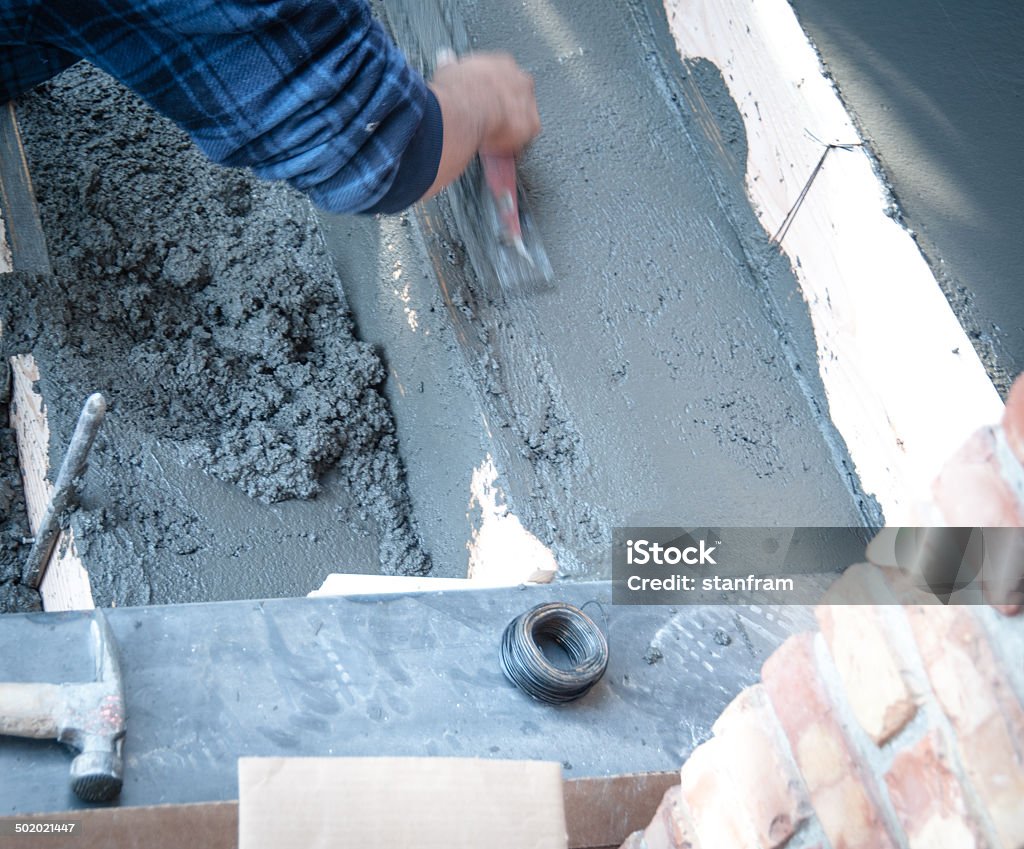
[(526, 665)]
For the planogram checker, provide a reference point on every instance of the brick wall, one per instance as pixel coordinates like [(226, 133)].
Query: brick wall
[(983, 484), (895, 726)]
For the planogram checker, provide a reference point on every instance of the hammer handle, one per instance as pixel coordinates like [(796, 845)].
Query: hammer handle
[(31, 710)]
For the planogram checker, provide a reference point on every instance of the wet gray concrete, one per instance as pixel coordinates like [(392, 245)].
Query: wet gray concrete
[(398, 308), (202, 304), (669, 375), (937, 88), (14, 529)]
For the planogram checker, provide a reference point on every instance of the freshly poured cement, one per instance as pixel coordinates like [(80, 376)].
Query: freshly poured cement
[(670, 376), (200, 302), (937, 90)]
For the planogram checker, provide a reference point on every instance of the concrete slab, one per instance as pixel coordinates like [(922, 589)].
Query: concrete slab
[(392, 291), (904, 396), (655, 383), (408, 675)]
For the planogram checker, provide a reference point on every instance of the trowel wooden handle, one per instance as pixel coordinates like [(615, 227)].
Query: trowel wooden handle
[(500, 173), (500, 170), (31, 710)]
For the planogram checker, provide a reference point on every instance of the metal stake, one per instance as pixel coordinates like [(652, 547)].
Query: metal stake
[(63, 493)]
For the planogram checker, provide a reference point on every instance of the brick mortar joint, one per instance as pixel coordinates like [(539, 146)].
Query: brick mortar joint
[(809, 832), (870, 760), (929, 716), (950, 740), (904, 650)]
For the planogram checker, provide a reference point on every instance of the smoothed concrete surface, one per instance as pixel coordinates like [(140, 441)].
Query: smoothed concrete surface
[(937, 88), (667, 378), (904, 386), (655, 384)]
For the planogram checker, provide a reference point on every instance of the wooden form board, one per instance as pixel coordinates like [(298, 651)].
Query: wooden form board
[(65, 585), (22, 246), (905, 387), (600, 813), (384, 802)]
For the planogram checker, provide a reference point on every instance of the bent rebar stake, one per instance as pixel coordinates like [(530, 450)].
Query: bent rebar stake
[(780, 234), (64, 489)]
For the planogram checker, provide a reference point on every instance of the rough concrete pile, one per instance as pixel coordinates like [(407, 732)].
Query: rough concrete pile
[(202, 304)]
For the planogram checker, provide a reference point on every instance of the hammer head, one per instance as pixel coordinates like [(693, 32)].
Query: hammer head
[(93, 721)]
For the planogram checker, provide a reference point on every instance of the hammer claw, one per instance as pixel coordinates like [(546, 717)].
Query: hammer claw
[(108, 667)]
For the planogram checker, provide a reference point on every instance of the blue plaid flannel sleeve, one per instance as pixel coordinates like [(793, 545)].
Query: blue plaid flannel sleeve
[(309, 91)]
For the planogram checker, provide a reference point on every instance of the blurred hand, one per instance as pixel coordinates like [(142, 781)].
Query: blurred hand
[(487, 105), (497, 93)]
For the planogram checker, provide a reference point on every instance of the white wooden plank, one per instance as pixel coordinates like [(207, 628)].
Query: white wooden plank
[(905, 387), (65, 585)]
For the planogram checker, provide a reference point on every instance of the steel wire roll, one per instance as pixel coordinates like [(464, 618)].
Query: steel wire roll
[(574, 632)]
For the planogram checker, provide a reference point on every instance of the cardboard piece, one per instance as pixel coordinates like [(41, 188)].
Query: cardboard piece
[(604, 811), (600, 813), (381, 803), (205, 825)]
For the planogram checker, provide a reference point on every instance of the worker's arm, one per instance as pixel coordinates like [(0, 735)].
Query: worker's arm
[(314, 93)]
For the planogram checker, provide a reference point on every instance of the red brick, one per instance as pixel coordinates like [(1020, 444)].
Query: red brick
[(769, 793), (985, 715), (1013, 418), (843, 803), (711, 799), (669, 828), (861, 642), (971, 491), (929, 800)]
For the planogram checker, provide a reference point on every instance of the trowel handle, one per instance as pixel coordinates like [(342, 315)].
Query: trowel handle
[(500, 173), (31, 710), (500, 170)]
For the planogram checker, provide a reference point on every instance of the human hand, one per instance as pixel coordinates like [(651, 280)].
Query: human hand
[(489, 100), (487, 105)]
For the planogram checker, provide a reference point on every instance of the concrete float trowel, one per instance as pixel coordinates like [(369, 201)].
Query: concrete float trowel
[(488, 204)]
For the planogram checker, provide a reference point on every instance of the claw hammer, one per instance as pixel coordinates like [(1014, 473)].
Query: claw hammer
[(89, 717)]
